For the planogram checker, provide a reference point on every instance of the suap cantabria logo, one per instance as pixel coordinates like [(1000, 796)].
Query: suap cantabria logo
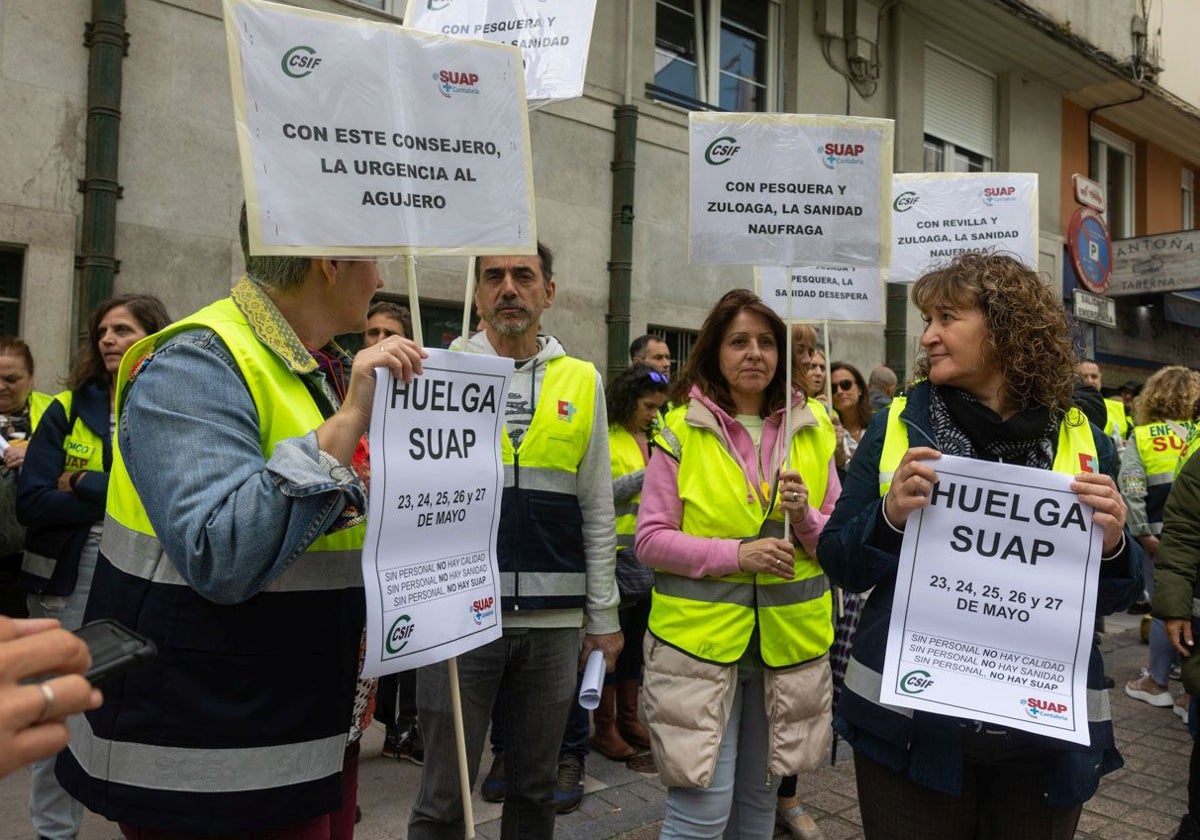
[(905, 201), (450, 82), (721, 151), (400, 634), (300, 61), (482, 608), (993, 195), (834, 155), (1036, 707)]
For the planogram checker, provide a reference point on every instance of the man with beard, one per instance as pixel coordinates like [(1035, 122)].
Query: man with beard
[(557, 554)]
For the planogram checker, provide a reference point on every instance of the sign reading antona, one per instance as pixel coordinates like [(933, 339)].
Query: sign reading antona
[(1168, 262)]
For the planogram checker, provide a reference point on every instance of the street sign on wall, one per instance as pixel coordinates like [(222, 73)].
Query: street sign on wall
[(1090, 249)]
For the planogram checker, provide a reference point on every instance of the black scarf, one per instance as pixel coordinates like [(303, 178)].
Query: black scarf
[(962, 425)]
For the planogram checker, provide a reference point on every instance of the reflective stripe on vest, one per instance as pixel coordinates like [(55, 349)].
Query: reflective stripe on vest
[(1075, 453), (198, 770), (714, 619), (625, 456)]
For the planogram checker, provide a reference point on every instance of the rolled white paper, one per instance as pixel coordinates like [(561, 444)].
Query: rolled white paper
[(593, 681)]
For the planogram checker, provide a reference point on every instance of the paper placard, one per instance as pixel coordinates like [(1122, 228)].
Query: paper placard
[(936, 216), (824, 294), (429, 560), (789, 189), (363, 138), (553, 36), (995, 600)]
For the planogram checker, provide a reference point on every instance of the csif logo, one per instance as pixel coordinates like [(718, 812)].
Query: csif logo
[(905, 201), (456, 81), (437, 5), (914, 682), (400, 634), (299, 61), (721, 150)]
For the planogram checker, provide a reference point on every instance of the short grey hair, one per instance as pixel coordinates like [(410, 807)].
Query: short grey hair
[(280, 273), (882, 377)]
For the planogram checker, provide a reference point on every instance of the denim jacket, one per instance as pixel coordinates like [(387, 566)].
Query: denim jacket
[(189, 435)]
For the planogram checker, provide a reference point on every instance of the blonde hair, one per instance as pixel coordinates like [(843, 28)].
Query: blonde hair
[(1170, 394)]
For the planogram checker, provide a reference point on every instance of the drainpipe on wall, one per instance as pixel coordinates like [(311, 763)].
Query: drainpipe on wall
[(108, 42), (620, 263)]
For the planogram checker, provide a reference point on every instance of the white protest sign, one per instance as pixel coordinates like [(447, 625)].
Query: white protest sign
[(553, 35), (789, 189), (938, 215), (995, 601), (362, 138), (429, 561), (823, 294)]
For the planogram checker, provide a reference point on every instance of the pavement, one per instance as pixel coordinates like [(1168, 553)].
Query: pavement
[(1144, 800)]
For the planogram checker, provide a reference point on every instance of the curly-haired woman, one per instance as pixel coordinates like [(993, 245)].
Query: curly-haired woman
[(1162, 422), (999, 367)]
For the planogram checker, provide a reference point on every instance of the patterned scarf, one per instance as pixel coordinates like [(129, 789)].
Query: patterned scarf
[(962, 425)]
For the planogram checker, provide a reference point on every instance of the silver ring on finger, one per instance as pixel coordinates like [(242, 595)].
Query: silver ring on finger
[(47, 702)]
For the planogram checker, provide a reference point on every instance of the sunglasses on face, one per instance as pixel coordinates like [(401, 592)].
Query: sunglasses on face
[(660, 378), (844, 384)]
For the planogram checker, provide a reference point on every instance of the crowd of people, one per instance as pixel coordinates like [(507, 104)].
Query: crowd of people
[(727, 539)]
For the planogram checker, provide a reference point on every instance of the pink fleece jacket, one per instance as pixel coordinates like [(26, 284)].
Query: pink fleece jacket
[(660, 542)]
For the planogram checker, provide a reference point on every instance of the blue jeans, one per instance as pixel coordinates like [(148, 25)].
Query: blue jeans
[(740, 802), (55, 815), (533, 672)]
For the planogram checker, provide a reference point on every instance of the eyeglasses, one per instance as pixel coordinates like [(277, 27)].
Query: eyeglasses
[(659, 377), (843, 384)]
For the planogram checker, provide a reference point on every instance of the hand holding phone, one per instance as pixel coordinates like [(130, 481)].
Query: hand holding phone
[(114, 648)]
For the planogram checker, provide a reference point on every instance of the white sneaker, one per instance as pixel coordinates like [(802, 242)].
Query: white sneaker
[(1144, 688), (1182, 703)]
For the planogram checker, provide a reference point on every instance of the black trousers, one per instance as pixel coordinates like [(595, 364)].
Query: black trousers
[(999, 801)]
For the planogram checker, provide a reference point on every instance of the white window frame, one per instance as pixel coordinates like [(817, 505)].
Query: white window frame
[(963, 115), (1104, 137), (1187, 199), (395, 8), (709, 53)]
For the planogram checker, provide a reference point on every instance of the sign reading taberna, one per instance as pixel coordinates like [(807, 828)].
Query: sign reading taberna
[(937, 216), (789, 189), (359, 138), (553, 36)]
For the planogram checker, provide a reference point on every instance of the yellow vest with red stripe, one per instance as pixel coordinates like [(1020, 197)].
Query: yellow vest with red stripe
[(714, 618)]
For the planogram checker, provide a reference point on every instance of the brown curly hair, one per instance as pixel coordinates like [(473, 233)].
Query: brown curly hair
[(1028, 338), (1170, 394)]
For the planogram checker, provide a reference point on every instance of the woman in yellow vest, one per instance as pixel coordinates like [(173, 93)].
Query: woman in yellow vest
[(1162, 418), (736, 688), (634, 398), (21, 408), (999, 365), (61, 498)]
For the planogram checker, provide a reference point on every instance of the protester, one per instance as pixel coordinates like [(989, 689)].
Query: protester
[(634, 398), (1162, 418), (61, 496), (32, 713), (851, 402), (1176, 586), (883, 386), (653, 351), (556, 550), (740, 619), (817, 374), (999, 365), (385, 319), (233, 540), (21, 409), (1118, 424)]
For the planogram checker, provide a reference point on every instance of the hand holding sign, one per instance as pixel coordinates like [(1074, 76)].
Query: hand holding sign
[(1101, 493), (912, 484)]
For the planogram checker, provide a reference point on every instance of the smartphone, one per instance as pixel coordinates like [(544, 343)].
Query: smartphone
[(114, 648)]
